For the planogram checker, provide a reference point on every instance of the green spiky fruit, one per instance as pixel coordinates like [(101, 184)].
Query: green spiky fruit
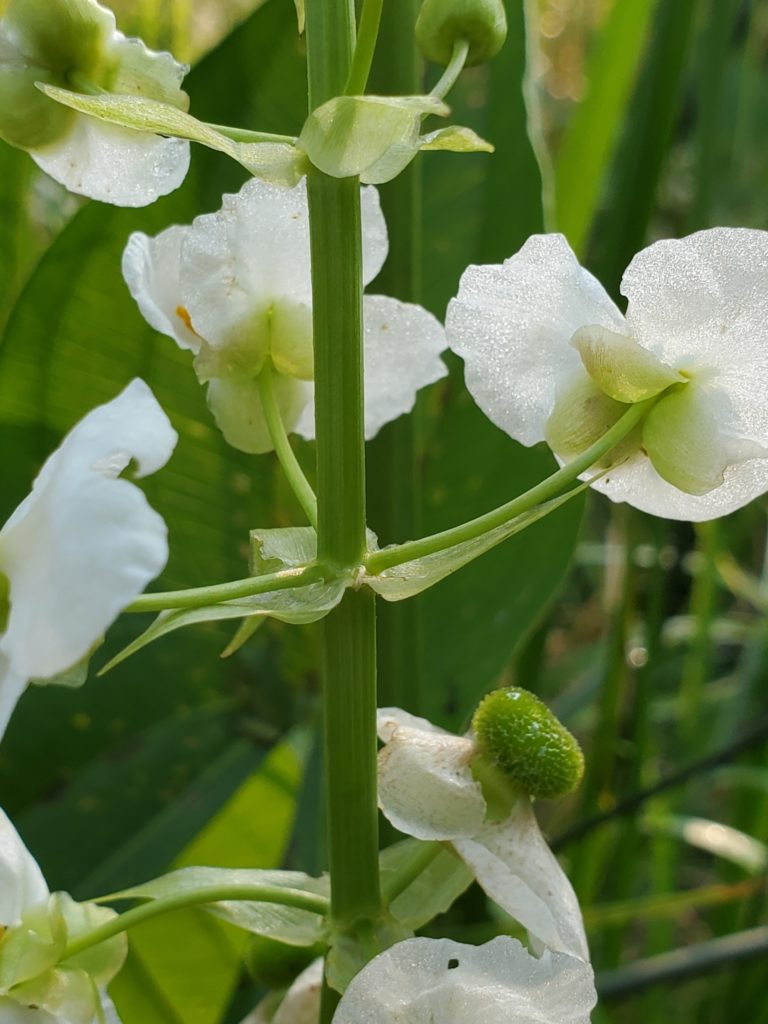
[(521, 736), (442, 23)]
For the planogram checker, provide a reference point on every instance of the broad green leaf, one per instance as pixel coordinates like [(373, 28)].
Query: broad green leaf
[(277, 921), (173, 777), (186, 965), (374, 137), (621, 227), (411, 578), (278, 162), (593, 129), (433, 891)]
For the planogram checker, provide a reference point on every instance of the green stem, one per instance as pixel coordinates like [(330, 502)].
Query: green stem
[(455, 66), (298, 898), (549, 488), (300, 486), (199, 597), (349, 637), (367, 34), (247, 135)]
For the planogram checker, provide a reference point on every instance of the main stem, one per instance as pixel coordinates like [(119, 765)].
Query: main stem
[(349, 655)]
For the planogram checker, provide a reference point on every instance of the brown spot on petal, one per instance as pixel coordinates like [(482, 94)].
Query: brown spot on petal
[(183, 314)]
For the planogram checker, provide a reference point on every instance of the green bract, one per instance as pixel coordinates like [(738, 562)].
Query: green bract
[(524, 739), (376, 137), (444, 23)]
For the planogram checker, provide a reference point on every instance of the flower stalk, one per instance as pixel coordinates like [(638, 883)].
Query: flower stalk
[(349, 650)]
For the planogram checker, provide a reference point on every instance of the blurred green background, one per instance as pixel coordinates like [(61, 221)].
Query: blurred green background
[(649, 638)]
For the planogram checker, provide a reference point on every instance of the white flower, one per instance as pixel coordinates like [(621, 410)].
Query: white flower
[(75, 44), (34, 928), (422, 981), (549, 356), (235, 288), (427, 790), (83, 544)]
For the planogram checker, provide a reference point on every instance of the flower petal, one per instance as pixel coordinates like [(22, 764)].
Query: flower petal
[(12, 686), (513, 864), (114, 165), (700, 304), (21, 881), (302, 1001), (151, 268), (236, 405), (426, 787), (84, 543), (620, 367), (423, 980), (403, 343), (512, 323)]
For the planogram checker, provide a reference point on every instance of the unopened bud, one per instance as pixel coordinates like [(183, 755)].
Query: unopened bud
[(443, 23)]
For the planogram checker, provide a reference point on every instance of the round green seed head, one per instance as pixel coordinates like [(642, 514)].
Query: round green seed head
[(524, 739), (442, 23)]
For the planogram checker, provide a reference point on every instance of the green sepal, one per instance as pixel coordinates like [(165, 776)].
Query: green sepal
[(412, 577), (583, 413), (620, 367), (519, 734), (73, 677), (682, 439), (373, 137), (278, 162), (442, 24), (34, 946)]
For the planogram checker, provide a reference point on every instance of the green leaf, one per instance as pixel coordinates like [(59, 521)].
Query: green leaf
[(374, 137), (593, 128), (278, 162), (411, 578)]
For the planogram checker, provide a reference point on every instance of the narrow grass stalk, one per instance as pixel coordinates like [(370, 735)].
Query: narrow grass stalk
[(394, 456)]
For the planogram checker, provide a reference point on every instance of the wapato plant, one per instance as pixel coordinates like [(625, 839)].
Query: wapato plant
[(663, 408)]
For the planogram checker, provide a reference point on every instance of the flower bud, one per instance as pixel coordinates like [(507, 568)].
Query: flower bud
[(521, 736), (275, 964), (443, 23)]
